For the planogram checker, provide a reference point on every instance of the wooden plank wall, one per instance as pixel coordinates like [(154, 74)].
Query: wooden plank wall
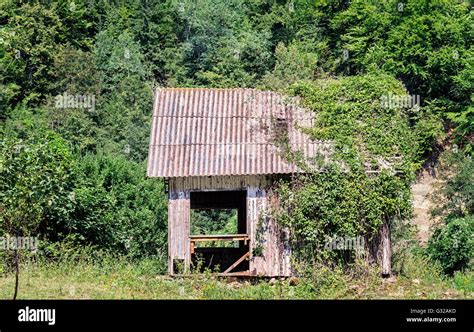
[(178, 228), (217, 182), (263, 230), (265, 233)]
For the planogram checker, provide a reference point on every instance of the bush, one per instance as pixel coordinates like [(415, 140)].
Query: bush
[(117, 208), (455, 197), (464, 281), (35, 185), (452, 245)]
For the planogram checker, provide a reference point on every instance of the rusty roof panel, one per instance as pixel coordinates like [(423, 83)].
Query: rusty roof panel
[(207, 132)]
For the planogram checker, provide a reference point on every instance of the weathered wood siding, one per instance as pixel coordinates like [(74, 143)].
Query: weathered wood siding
[(232, 182), (270, 250), (274, 257), (178, 228)]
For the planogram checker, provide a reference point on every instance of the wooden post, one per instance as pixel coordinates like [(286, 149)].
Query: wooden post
[(386, 249)]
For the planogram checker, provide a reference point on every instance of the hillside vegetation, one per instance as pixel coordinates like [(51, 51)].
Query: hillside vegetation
[(389, 82)]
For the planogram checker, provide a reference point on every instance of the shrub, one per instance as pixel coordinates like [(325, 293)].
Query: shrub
[(464, 281), (455, 197), (452, 245), (35, 185), (117, 208)]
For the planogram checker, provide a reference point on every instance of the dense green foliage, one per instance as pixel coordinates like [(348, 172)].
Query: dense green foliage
[(455, 196), (35, 182), (213, 221), (98, 200), (453, 245), (368, 137), (79, 174), (117, 208)]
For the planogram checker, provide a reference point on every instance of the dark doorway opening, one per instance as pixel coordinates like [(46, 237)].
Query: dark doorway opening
[(213, 213)]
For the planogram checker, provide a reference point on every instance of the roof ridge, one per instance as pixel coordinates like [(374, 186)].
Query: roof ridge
[(206, 88)]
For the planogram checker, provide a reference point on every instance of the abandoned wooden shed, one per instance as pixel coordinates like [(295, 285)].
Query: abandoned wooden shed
[(219, 149)]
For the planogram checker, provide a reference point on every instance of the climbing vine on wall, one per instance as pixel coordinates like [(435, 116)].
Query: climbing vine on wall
[(367, 181)]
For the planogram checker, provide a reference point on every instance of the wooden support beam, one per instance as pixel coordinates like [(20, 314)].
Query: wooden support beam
[(240, 260)]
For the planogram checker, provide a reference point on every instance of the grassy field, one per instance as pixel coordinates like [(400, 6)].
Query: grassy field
[(116, 278)]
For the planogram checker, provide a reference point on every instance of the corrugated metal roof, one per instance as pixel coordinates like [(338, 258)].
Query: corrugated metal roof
[(207, 132)]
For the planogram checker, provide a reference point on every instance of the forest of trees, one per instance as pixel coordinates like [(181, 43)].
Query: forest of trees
[(76, 89)]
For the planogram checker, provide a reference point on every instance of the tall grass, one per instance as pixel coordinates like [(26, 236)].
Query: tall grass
[(86, 273)]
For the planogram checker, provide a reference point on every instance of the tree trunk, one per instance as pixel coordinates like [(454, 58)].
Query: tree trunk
[(386, 249), (17, 274)]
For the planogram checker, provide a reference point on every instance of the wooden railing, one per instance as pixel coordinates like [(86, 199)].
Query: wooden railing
[(219, 237)]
